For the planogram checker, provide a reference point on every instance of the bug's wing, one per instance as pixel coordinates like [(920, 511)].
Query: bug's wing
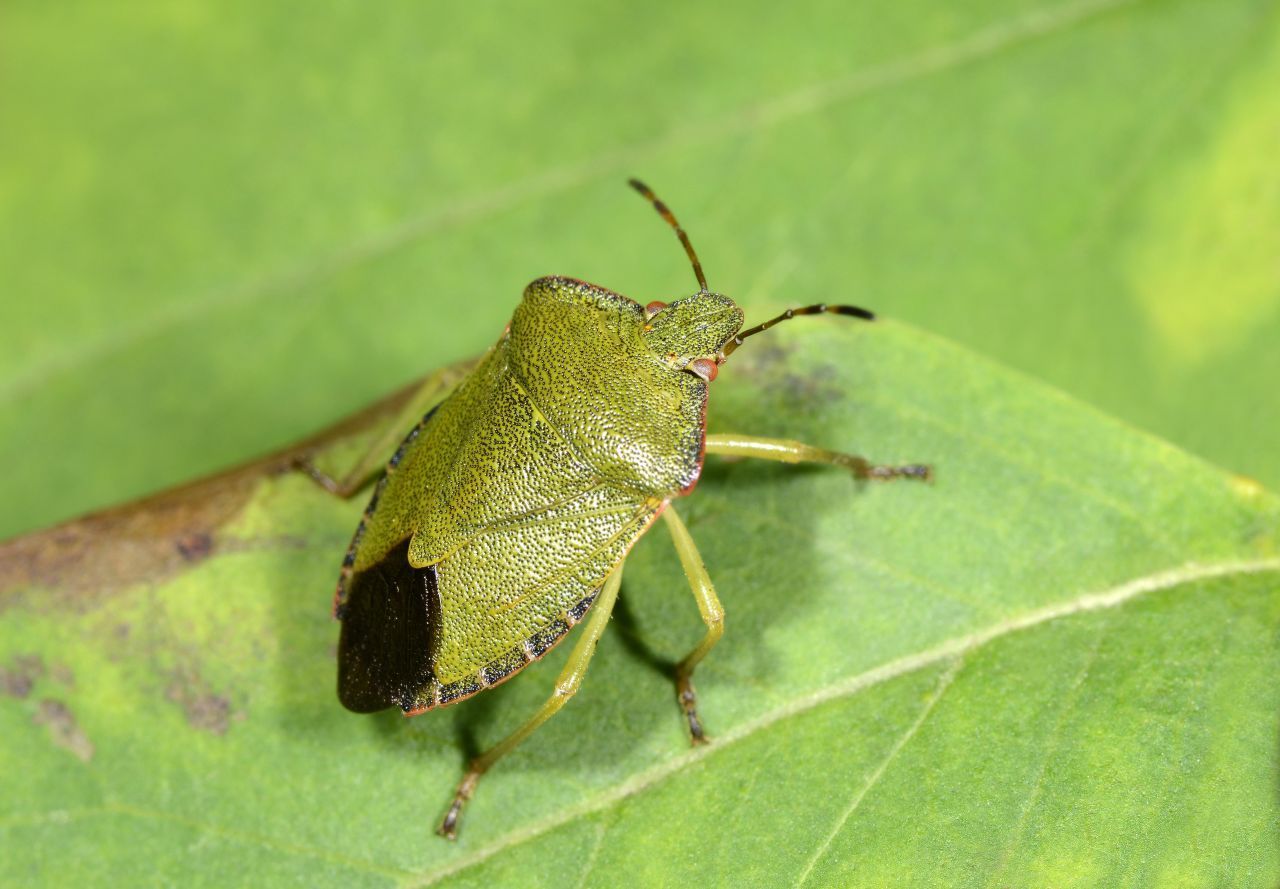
[(511, 591), (422, 637), (388, 630)]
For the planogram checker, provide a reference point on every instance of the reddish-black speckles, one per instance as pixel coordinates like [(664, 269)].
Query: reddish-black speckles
[(349, 559), (344, 575), (377, 495), (496, 671), (456, 691), (500, 669), (577, 612), (544, 640), (409, 440)]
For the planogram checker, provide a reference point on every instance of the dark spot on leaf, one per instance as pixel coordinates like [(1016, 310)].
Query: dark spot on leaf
[(195, 547), (63, 674), (205, 710), (64, 731), (159, 536), (17, 678), (777, 365), (210, 713)]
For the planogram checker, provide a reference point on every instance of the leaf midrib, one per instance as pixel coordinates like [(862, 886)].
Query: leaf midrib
[(954, 649), (948, 650)]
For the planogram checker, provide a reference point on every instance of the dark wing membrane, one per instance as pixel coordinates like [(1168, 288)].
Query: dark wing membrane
[(390, 624)]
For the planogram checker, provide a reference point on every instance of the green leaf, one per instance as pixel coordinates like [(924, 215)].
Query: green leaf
[(1054, 666), (269, 214), (222, 226)]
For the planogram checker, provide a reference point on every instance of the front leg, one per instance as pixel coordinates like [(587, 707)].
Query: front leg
[(371, 463), (787, 451)]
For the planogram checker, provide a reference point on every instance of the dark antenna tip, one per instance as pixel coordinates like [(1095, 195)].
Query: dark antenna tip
[(854, 311)]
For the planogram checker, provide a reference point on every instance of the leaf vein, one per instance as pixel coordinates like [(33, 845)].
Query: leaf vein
[(944, 682), (949, 649), (1068, 705)]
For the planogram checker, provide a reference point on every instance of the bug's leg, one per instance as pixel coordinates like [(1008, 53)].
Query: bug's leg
[(712, 615), (566, 685), (796, 452), (374, 458)]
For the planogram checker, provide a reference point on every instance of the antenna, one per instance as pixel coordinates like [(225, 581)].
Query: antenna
[(666, 214), (817, 309)]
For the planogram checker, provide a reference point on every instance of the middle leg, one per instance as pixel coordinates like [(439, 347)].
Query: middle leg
[(712, 615)]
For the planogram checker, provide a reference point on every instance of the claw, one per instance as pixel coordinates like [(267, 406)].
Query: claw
[(916, 471), (449, 826), (689, 704)]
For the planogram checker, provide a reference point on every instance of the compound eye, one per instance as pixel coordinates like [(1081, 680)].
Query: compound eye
[(653, 308), (703, 367)]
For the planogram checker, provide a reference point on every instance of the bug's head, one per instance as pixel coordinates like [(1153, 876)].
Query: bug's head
[(691, 332), (699, 332)]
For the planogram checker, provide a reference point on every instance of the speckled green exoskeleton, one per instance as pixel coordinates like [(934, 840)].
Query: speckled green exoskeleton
[(505, 516)]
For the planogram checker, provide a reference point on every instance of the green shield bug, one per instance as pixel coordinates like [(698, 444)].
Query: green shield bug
[(505, 516)]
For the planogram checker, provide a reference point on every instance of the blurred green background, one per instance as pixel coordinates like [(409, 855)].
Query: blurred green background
[(225, 225)]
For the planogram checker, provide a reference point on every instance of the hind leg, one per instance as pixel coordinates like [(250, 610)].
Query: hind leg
[(566, 686)]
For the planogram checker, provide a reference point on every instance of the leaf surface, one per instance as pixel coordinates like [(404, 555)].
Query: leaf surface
[(1054, 666)]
